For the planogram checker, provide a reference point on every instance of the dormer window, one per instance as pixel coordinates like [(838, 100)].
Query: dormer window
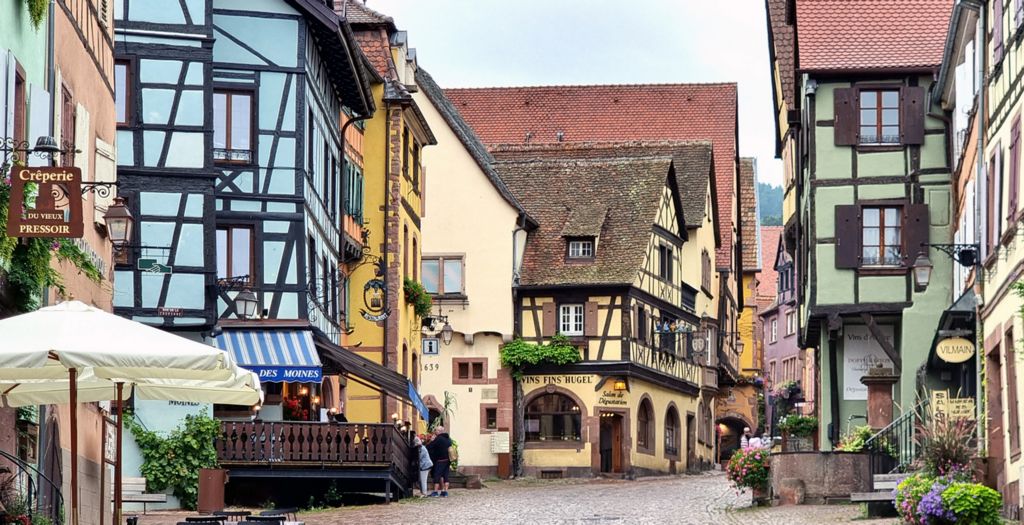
[(581, 248)]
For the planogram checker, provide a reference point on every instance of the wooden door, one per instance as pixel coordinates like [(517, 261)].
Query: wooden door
[(993, 373), (616, 443)]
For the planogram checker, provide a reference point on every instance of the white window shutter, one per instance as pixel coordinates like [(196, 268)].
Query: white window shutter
[(81, 141)]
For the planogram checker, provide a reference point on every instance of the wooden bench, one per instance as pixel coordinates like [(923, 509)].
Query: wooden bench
[(133, 490)]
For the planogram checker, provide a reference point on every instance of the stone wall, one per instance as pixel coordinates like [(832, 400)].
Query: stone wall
[(826, 476)]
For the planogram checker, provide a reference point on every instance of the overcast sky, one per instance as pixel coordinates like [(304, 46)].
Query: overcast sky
[(478, 43)]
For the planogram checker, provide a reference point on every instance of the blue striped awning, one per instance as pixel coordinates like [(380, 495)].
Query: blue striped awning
[(277, 356)]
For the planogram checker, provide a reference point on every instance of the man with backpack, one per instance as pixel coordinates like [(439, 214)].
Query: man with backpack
[(441, 453)]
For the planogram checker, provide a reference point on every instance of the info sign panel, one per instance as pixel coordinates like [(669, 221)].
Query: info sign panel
[(861, 351), (45, 202)]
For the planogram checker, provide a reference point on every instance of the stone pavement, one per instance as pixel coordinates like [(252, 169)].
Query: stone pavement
[(705, 499)]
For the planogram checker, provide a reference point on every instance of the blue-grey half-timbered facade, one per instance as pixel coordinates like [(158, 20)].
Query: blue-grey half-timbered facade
[(230, 160), (231, 112)]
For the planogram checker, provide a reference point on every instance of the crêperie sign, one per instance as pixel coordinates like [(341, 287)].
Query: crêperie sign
[(52, 206)]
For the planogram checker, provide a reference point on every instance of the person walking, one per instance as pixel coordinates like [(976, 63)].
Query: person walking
[(745, 438), (425, 464), (439, 454)]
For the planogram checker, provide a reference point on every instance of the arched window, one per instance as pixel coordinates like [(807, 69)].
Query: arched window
[(405, 252), (672, 433), (645, 426), (415, 260), (553, 417), (701, 424)]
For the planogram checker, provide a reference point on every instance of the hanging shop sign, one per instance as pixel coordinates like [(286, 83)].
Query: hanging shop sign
[(45, 202), (373, 297), (955, 350)]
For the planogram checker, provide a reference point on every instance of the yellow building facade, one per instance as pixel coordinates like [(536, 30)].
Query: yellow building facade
[(384, 327), (474, 232)]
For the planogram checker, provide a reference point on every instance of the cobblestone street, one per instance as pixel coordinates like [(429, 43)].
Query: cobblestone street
[(691, 500)]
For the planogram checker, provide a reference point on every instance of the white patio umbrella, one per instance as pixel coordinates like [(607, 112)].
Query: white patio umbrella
[(110, 352), (47, 343), (243, 388)]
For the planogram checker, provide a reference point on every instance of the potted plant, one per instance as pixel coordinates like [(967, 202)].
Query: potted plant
[(748, 468), (797, 432), (417, 297)]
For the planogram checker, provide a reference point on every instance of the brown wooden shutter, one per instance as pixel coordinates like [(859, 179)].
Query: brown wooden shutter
[(1011, 211), (848, 236), (550, 325), (997, 30), (912, 109), (590, 319), (847, 132), (915, 232)]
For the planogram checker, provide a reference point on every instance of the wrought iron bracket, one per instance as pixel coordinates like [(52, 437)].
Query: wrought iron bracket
[(236, 283), (101, 189), (964, 254)]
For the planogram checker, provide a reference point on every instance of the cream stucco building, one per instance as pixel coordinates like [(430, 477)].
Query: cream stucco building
[(474, 232)]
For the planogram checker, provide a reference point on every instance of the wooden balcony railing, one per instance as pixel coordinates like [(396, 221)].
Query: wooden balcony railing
[(324, 445)]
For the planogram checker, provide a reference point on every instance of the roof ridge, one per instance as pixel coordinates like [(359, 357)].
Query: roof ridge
[(595, 144), (562, 86), (589, 160)]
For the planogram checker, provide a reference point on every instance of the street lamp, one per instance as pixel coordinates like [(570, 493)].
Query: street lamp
[(245, 304), (446, 333), (922, 271), (964, 254), (46, 144), (119, 223)]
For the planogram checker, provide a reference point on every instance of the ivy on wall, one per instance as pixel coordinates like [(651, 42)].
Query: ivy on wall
[(519, 354), (174, 461), (28, 261)]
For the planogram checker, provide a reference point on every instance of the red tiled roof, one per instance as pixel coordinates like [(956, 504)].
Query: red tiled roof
[(767, 285), (782, 38), (613, 199), (374, 43), (748, 215), (355, 12), (851, 35), (614, 113)]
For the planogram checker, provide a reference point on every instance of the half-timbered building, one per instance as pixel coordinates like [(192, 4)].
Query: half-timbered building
[(605, 268), (874, 200), (231, 159)]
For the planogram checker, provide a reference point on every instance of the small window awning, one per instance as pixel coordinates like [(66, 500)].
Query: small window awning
[(957, 320), (386, 380), (277, 356)]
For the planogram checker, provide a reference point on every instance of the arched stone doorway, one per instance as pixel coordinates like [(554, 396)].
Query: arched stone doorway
[(728, 431)]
